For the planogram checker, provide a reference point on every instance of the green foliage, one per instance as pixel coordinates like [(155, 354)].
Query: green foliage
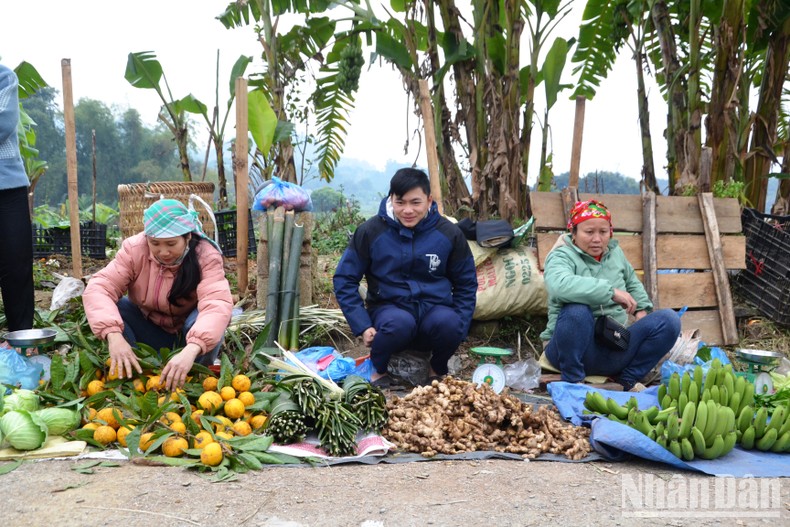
[(327, 199), (599, 182), (729, 189), (332, 229)]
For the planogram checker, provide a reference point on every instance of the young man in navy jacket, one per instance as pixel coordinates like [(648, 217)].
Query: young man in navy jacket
[(420, 276)]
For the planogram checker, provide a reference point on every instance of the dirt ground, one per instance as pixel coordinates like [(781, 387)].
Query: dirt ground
[(441, 493)]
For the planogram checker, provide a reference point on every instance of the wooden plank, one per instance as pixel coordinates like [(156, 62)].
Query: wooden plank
[(570, 195), (673, 251), (576, 147), (649, 245), (716, 253), (707, 321), (676, 214), (686, 289)]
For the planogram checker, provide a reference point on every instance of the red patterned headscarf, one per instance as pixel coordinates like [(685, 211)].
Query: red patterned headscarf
[(588, 210)]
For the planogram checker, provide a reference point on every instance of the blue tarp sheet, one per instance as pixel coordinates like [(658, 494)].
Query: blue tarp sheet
[(615, 440)]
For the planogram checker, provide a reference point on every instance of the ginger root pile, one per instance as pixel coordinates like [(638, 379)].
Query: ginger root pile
[(455, 416)]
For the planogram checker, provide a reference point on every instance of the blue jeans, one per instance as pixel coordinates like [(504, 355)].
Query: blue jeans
[(440, 331), (573, 349), (137, 328)]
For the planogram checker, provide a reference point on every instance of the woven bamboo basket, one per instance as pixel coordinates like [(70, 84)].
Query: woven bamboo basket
[(134, 198)]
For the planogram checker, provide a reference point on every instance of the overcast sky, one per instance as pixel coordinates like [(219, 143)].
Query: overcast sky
[(97, 35)]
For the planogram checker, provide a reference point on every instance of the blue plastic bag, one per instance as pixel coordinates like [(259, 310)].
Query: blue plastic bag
[(669, 367), (16, 370), (276, 192), (329, 364)]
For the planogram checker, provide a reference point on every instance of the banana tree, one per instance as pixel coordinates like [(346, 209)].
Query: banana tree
[(30, 81), (144, 71), (607, 26), (550, 75), (289, 58), (217, 129)]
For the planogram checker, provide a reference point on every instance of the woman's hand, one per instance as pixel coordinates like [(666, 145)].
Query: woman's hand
[(640, 314), (625, 299), (368, 335), (122, 357), (174, 374)]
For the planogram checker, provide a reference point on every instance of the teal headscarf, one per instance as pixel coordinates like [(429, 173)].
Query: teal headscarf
[(168, 218)]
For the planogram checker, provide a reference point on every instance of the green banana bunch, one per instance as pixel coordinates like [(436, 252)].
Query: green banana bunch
[(760, 433)]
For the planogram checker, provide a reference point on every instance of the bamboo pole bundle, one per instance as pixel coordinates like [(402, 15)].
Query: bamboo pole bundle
[(290, 316), (275, 265)]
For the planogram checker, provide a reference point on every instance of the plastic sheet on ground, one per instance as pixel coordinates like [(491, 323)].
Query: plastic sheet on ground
[(615, 440)]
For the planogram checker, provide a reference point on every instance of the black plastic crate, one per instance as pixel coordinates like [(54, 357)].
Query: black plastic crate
[(226, 232), (765, 282), (57, 240)]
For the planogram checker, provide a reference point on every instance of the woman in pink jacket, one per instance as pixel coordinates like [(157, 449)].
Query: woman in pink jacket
[(176, 294)]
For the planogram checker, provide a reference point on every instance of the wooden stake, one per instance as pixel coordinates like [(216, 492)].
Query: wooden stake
[(729, 330), (576, 151), (242, 177), (649, 258), (71, 168), (426, 109)]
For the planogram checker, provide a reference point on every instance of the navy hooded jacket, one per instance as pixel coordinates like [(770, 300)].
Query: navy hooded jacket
[(413, 269)]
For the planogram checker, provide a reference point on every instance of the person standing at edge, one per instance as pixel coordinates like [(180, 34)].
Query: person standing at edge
[(16, 234), (420, 275)]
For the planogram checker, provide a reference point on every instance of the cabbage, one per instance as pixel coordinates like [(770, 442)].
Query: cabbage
[(21, 431), (21, 400), (59, 421)]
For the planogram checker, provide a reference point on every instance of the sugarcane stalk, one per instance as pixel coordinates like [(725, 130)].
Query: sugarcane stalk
[(275, 268), (290, 285)]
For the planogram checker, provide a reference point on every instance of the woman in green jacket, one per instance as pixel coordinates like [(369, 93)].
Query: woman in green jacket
[(588, 276)]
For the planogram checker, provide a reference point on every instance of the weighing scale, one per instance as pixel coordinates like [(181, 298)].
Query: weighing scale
[(30, 338), (759, 363), (489, 373)]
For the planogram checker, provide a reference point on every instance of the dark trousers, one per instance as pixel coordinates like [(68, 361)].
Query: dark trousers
[(137, 328), (440, 331), (16, 258), (572, 348)]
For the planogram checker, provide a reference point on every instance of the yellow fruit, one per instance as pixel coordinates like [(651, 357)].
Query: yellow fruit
[(258, 421), (174, 446), (104, 434), (91, 415), (174, 396), (95, 387), (146, 441), (223, 435), (227, 393), (122, 433), (196, 416), (178, 427), (112, 375), (234, 408), (224, 425), (139, 385), (241, 383), (242, 428), (154, 383), (210, 384), (247, 398), (202, 439), (91, 426), (108, 416), (170, 418), (211, 454), (209, 401)]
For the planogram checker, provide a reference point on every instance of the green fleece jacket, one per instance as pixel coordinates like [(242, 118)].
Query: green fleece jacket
[(574, 277)]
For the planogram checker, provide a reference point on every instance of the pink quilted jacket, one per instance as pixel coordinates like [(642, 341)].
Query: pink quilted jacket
[(136, 273)]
